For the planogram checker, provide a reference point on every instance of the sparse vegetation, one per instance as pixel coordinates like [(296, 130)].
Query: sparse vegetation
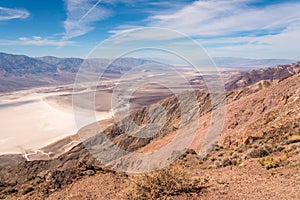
[(260, 152), (161, 184), (213, 159), (27, 190), (10, 191), (270, 163), (104, 171), (228, 162), (240, 150), (294, 139)]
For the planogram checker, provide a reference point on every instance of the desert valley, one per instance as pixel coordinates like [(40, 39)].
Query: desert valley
[(259, 143), (149, 100)]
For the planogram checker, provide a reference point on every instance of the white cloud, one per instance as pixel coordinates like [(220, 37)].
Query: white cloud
[(37, 41), (225, 17), (283, 45), (9, 13), (81, 14), (233, 28), (143, 34)]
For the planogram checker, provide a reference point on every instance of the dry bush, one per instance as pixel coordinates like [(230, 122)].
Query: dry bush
[(270, 163), (161, 184)]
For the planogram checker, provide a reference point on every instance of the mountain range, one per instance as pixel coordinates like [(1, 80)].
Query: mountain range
[(246, 64), (20, 72)]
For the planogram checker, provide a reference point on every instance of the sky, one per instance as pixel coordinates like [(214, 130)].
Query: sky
[(223, 28)]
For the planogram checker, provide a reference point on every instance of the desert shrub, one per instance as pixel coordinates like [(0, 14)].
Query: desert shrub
[(213, 159), (161, 184), (270, 163), (293, 139), (240, 149), (27, 190), (278, 148), (260, 152), (191, 151), (10, 191), (228, 162)]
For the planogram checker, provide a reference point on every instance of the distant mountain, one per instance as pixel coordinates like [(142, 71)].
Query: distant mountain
[(20, 71), (21, 65), (64, 64), (117, 66), (247, 63), (234, 79), (272, 73)]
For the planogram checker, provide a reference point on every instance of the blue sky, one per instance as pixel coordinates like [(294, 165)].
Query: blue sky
[(73, 28)]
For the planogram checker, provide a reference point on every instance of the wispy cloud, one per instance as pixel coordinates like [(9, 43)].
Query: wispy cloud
[(37, 41), (13, 13), (280, 45), (81, 14), (227, 17), (236, 27)]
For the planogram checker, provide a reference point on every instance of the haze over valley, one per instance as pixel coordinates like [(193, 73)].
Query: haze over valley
[(44, 114)]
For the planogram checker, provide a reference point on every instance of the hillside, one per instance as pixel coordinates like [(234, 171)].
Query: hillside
[(257, 154)]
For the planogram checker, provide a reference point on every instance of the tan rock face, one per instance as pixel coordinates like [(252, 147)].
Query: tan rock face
[(268, 111)]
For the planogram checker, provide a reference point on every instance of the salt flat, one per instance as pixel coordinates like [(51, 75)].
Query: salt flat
[(35, 118), (30, 121)]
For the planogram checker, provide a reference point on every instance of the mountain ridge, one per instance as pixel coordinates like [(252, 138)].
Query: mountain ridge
[(18, 72)]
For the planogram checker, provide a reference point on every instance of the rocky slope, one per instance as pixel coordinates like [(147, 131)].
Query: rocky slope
[(260, 133)]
